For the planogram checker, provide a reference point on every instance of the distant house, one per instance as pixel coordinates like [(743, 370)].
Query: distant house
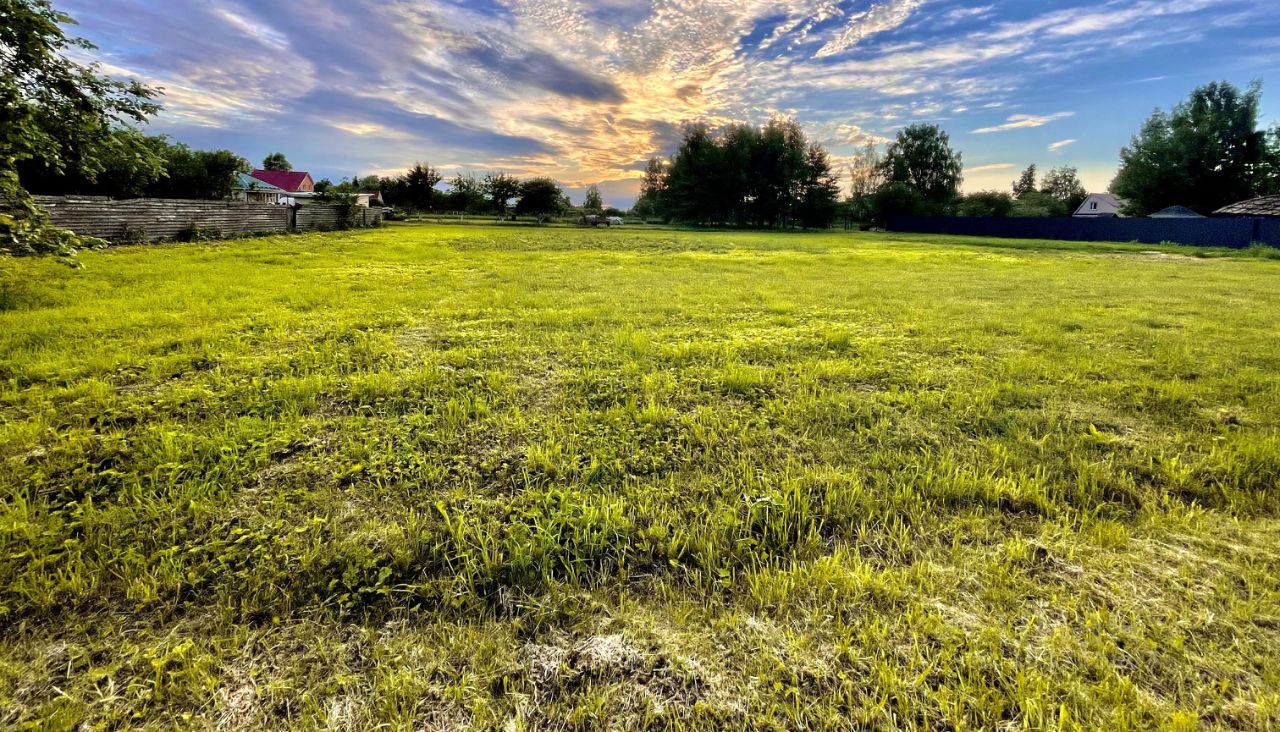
[(1099, 205), (1264, 207), (251, 190), (289, 181), (1175, 212)]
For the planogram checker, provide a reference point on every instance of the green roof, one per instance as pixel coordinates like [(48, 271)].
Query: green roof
[(246, 182)]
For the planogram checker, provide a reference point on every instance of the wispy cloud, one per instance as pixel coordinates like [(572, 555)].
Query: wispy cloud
[(1056, 146), (1023, 121), (990, 168), (584, 89)]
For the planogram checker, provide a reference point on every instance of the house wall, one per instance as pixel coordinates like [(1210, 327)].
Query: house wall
[(155, 219)]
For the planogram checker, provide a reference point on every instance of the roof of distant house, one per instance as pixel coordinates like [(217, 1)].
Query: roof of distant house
[(1175, 212), (288, 180), (1264, 206), (246, 182)]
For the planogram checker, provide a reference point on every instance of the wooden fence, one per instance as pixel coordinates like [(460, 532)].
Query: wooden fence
[(155, 219)]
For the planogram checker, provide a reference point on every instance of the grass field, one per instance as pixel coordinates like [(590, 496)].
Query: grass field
[(439, 478)]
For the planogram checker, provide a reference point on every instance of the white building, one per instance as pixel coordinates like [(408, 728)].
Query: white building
[(1099, 205)]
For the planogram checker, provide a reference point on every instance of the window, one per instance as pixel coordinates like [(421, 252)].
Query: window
[(1093, 206)]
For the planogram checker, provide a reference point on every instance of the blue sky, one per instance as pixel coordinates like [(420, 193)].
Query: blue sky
[(587, 91)]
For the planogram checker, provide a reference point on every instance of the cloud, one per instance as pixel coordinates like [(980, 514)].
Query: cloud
[(582, 89), (1056, 146), (991, 167), (1023, 121)]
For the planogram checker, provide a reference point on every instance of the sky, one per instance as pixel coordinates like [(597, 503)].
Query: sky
[(586, 92)]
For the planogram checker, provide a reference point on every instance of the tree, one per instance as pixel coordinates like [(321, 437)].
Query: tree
[(1063, 185), (866, 173), (466, 194), (922, 158), (1204, 154), (58, 112), (593, 200), (1038, 205), (276, 161), (500, 189), (896, 199), (652, 188), (819, 190), (744, 175), (415, 190), (1026, 183), (996, 204), (541, 197), (1269, 170)]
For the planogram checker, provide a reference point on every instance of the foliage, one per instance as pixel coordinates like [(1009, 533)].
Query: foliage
[(745, 176), (415, 190), (277, 161), (165, 170), (896, 199), (499, 189), (1204, 154), (1026, 183), (866, 175), (55, 111), (1038, 204), (985, 203), (466, 195), (541, 197), (922, 158), (1063, 185), (650, 204), (477, 477), (593, 201)]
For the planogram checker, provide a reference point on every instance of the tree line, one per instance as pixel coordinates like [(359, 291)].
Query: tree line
[(742, 175), (69, 129)]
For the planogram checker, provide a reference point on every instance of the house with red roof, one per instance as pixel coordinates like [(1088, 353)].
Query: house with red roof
[(290, 181)]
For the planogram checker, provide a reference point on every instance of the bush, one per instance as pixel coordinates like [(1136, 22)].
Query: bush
[(1038, 204), (896, 199), (985, 203)]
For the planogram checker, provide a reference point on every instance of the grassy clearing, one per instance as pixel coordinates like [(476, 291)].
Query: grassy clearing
[(439, 477)]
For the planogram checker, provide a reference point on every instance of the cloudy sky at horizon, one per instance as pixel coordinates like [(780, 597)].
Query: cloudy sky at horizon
[(587, 91)]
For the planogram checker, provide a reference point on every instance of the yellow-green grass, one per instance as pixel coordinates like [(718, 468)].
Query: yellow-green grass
[(436, 477)]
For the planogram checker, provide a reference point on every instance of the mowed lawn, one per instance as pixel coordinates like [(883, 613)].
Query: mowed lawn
[(448, 477)]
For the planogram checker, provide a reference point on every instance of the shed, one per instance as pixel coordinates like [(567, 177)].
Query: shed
[(1264, 206), (1175, 212)]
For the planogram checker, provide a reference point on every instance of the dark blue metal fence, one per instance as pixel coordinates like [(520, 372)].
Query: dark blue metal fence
[(1234, 232)]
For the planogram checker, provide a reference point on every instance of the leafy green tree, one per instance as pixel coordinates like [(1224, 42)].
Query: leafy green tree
[(58, 112), (593, 200), (541, 197), (204, 174), (1038, 204), (1268, 183), (896, 199), (1063, 185), (276, 161), (416, 189), (819, 190), (1204, 154), (1026, 183), (466, 194), (995, 204), (500, 188), (866, 173), (922, 158), (653, 187)]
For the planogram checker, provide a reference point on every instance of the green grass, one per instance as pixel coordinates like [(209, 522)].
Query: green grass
[(436, 477)]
